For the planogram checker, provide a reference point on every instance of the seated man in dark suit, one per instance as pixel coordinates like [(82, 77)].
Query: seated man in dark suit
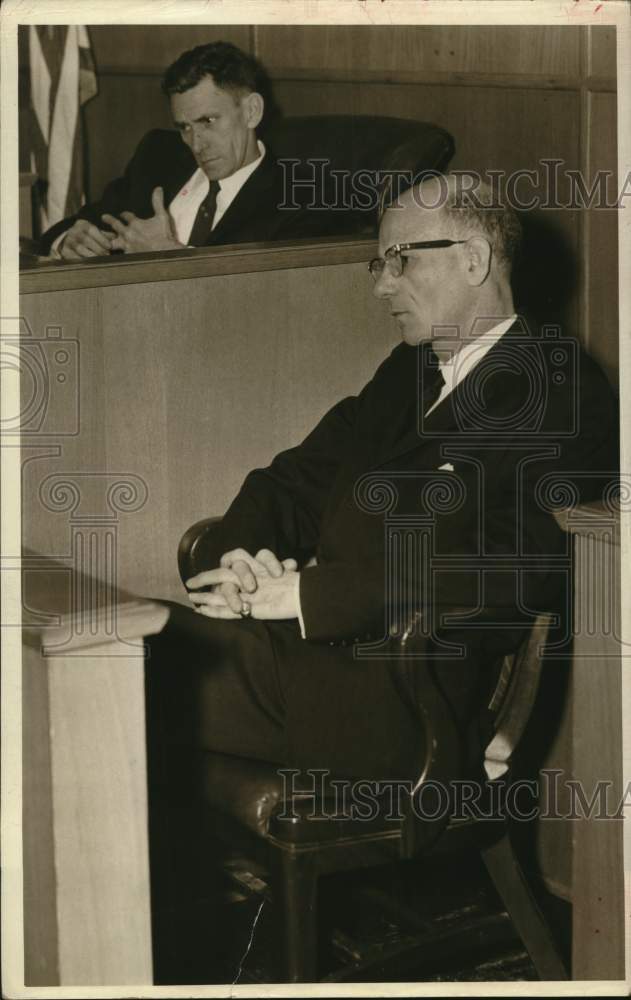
[(431, 490), (215, 183)]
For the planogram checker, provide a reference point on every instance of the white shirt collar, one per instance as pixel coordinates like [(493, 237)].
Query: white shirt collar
[(456, 368), (184, 207), (229, 187)]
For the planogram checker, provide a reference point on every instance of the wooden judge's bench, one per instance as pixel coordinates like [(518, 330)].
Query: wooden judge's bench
[(150, 386)]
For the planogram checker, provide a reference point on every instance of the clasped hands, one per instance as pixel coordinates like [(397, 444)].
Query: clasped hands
[(133, 235), (267, 585)]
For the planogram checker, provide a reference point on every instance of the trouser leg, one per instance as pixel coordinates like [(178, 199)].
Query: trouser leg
[(217, 687), (258, 690)]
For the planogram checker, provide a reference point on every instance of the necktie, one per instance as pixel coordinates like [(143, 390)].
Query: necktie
[(202, 227), (418, 395), (432, 379)]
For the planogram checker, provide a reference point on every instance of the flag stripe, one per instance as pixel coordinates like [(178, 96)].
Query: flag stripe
[(53, 43), (87, 70), (40, 83), (74, 194), (62, 131), (39, 148), (63, 78)]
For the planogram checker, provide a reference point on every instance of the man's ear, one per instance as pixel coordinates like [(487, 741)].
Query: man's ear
[(478, 253), (253, 106)]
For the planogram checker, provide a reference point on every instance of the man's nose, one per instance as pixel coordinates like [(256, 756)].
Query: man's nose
[(196, 141), (384, 285)]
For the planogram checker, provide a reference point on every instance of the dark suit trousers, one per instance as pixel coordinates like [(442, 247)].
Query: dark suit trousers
[(258, 690)]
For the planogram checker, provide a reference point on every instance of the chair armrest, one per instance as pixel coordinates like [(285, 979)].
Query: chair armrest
[(188, 549)]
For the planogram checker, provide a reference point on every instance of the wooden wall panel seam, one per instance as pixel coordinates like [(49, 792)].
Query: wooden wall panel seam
[(583, 217), (518, 81), (514, 81)]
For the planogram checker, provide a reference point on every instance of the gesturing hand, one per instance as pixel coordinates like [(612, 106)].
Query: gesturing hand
[(135, 235), (267, 583), (83, 239)]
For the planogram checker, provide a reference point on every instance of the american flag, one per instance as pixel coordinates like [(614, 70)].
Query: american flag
[(62, 79)]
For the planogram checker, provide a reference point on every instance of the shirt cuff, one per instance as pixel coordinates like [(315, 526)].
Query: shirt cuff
[(54, 247), (300, 618)]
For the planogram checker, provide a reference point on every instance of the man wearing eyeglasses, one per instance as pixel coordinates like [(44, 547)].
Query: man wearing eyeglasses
[(461, 436)]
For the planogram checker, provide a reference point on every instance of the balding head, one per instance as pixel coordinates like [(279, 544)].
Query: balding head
[(460, 206), (449, 288)]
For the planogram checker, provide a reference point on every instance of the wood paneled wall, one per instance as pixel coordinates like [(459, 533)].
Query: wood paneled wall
[(511, 97), (397, 49), (183, 389)]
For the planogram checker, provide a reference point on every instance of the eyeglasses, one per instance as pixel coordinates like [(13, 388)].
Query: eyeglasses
[(393, 258)]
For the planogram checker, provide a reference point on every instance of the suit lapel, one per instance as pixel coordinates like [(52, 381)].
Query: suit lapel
[(255, 191), (456, 411), (402, 430), (422, 431), (179, 171)]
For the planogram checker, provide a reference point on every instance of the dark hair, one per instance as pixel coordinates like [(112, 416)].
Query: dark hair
[(230, 67)]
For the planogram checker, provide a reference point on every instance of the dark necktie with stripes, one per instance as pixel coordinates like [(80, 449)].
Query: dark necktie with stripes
[(202, 227)]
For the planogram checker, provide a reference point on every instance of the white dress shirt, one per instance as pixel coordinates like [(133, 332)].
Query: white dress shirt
[(453, 371), (185, 205), (456, 368)]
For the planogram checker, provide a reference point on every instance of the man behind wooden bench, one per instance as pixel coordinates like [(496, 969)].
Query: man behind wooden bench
[(213, 184)]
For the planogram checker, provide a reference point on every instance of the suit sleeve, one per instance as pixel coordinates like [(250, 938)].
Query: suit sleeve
[(116, 197)]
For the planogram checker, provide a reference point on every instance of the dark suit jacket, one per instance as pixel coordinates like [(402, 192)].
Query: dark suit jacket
[(533, 426), (162, 159)]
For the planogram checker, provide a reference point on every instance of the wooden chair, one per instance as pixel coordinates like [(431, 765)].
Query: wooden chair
[(246, 807)]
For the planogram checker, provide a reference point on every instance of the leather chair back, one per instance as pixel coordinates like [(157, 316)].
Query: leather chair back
[(352, 143)]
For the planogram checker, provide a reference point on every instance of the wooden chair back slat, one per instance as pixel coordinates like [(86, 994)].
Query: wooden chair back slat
[(514, 697)]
